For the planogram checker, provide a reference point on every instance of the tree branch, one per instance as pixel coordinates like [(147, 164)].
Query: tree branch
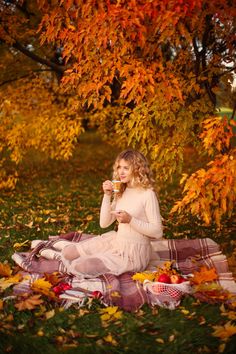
[(23, 76), (60, 69)]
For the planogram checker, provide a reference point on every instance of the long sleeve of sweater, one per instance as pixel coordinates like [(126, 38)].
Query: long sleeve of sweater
[(106, 218), (153, 226)]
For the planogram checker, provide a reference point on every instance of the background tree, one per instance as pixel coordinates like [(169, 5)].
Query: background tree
[(146, 73)]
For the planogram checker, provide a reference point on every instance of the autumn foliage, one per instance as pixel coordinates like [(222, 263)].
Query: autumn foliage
[(146, 74)]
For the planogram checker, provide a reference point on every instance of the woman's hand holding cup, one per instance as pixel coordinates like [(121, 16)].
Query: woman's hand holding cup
[(107, 187)]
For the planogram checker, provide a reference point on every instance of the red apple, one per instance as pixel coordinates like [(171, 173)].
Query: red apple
[(164, 278), (96, 294), (181, 280), (175, 279)]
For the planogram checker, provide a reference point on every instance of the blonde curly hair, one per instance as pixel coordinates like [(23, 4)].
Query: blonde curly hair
[(142, 175)]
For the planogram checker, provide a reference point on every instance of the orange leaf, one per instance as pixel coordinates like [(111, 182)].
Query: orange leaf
[(29, 303), (53, 278), (5, 270), (204, 275)]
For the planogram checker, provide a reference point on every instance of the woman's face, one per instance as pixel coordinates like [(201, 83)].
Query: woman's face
[(125, 172)]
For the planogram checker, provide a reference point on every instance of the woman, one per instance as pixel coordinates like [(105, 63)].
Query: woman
[(135, 208)]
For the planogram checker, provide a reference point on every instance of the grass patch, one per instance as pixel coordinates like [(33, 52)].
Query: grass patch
[(54, 197)]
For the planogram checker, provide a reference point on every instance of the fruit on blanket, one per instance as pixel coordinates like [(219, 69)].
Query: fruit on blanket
[(60, 288), (175, 279), (182, 280), (164, 278), (96, 294)]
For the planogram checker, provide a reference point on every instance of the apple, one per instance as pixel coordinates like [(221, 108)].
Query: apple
[(181, 280), (96, 294), (175, 279), (164, 278)]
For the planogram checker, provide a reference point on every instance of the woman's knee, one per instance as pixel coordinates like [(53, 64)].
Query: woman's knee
[(91, 266), (70, 252)]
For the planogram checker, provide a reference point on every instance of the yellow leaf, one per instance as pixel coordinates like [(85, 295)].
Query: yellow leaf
[(6, 283), (105, 317), (110, 313), (110, 339), (224, 332), (115, 294), (40, 333), (143, 276), (118, 315), (49, 314), (160, 340), (185, 312), (43, 286), (89, 217), (20, 245)]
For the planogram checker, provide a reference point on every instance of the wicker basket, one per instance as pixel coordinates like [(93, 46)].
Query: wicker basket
[(166, 295)]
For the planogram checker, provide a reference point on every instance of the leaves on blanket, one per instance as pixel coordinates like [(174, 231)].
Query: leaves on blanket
[(43, 286), (5, 270), (28, 302), (143, 276), (204, 275), (211, 293), (53, 278)]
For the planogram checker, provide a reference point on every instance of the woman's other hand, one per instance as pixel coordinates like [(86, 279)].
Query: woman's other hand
[(107, 187), (123, 217)]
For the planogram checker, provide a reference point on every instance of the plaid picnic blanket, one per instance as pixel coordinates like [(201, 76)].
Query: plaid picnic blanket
[(122, 290)]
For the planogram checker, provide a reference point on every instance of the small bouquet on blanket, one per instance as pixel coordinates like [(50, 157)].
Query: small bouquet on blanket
[(166, 286)]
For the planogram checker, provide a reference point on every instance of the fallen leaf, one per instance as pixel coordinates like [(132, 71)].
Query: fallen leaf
[(201, 320), (204, 275), (185, 312), (30, 225), (53, 278), (49, 314), (41, 285), (110, 313), (221, 348), (7, 282), (18, 245), (29, 303), (5, 270), (224, 332), (110, 339)]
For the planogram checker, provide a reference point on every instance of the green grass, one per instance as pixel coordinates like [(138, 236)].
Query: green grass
[(54, 197)]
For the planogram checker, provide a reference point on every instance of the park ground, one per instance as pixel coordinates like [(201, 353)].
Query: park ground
[(54, 197)]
